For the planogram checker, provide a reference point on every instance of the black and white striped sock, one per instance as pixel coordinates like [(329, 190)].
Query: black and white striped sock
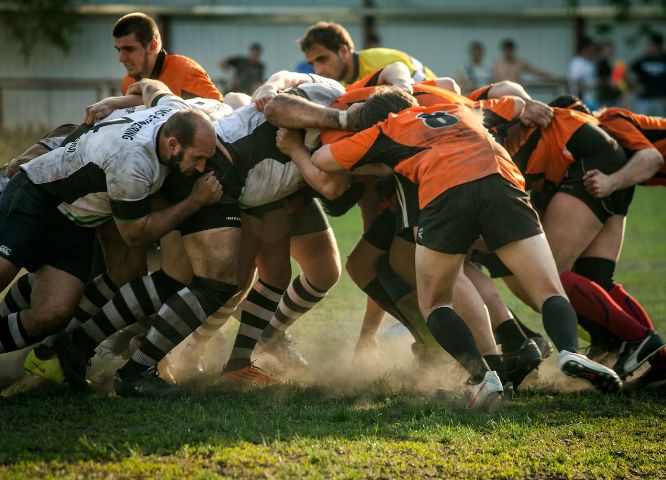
[(133, 302), (300, 297), (12, 334), (18, 296), (257, 310), (205, 332), (182, 313)]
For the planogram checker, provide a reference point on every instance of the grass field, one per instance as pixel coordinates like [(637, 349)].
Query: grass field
[(344, 420)]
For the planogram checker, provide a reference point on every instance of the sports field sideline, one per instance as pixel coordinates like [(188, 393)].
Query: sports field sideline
[(379, 420)]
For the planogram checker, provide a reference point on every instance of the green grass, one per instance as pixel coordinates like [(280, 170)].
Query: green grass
[(352, 421)]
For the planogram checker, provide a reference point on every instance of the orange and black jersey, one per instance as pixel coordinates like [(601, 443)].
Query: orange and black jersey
[(541, 154), (480, 93), (437, 147), (637, 132), (184, 77)]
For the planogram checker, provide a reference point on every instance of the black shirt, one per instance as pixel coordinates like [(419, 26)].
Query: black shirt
[(248, 74), (651, 72)]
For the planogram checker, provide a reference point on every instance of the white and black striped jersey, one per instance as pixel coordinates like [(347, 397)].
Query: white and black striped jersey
[(213, 108), (110, 170), (264, 173)]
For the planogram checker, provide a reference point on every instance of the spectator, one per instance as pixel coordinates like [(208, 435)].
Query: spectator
[(511, 68), (249, 71), (609, 91), (583, 74), (649, 78), (475, 74), (374, 41)]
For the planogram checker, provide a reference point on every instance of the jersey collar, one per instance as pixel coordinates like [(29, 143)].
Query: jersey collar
[(159, 65)]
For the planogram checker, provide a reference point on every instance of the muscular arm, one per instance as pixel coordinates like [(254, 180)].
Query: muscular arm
[(281, 81), (104, 108), (396, 74), (447, 83), (148, 89), (502, 89), (291, 111), (640, 167), (33, 152)]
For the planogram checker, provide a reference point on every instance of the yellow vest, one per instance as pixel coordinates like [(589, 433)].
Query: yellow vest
[(370, 60)]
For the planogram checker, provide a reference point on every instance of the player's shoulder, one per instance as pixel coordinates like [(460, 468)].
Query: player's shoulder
[(173, 61), (383, 53)]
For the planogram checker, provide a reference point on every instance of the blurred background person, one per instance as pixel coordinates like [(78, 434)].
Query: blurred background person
[(475, 74), (583, 74), (610, 92), (511, 68), (248, 71), (648, 78), (374, 41)]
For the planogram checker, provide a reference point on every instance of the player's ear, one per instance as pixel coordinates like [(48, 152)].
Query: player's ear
[(343, 52), (172, 143), (153, 46)]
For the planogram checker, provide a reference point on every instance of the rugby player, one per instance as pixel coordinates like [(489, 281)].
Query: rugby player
[(109, 172), (484, 182)]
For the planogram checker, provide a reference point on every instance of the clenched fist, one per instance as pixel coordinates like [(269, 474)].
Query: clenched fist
[(207, 190)]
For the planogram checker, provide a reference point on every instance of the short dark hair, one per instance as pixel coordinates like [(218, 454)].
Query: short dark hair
[(140, 25), (384, 101), (329, 35), (570, 101), (183, 127), (256, 46), (657, 39), (476, 44), (508, 43), (584, 43)]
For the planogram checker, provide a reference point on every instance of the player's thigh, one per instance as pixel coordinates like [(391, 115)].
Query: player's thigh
[(608, 242), (517, 289), (402, 257), (318, 256), (175, 260), (436, 276), (214, 253), (123, 263), (570, 227), (8, 272), (532, 263), (55, 295), (273, 256)]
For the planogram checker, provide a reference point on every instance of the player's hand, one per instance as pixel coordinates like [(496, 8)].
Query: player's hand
[(404, 85), (536, 114), (597, 184), (263, 95), (354, 117), (134, 89), (206, 191), (100, 110), (288, 141)]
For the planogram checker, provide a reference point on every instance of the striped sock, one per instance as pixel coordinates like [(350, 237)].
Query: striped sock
[(258, 308), (183, 313), (205, 332), (12, 334), (300, 297), (134, 301), (18, 296)]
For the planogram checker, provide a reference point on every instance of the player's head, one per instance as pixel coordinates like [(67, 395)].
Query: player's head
[(138, 42), (570, 101), (190, 138), (328, 47), (508, 48), (384, 101), (655, 45), (255, 52), (586, 47)]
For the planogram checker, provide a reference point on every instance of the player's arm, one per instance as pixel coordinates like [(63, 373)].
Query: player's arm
[(291, 111), (149, 90), (330, 186), (275, 84), (641, 167), (344, 155), (104, 108), (30, 154), (535, 113), (397, 74), (447, 83)]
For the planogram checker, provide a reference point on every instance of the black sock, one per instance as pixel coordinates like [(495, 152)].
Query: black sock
[(529, 333), (453, 334), (495, 363), (510, 335), (393, 284), (17, 297), (561, 323), (599, 270)]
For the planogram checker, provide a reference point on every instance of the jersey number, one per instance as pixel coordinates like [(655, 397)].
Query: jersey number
[(438, 119), (115, 121)]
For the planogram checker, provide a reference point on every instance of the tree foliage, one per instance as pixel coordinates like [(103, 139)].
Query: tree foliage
[(47, 21)]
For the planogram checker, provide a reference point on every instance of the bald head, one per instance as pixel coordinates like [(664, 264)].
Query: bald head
[(190, 136)]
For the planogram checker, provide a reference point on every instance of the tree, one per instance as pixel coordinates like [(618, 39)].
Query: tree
[(33, 21)]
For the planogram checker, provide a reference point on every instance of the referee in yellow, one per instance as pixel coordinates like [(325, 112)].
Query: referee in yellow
[(328, 47)]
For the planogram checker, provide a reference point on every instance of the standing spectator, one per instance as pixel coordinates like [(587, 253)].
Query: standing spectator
[(249, 71), (609, 91), (475, 74), (583, 74), (511, 68), (649, 78)]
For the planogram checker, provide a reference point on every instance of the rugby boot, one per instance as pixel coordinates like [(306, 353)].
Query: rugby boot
[(148, 385), (48, 369), (579, 366), (652, 380), (544, 345), (247, 375), (635, 353), (486, 393), (281, 347), (73, 362), (191, 361), (519, 363)]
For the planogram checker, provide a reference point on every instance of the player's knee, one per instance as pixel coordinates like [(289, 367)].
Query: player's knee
[(359, 268)]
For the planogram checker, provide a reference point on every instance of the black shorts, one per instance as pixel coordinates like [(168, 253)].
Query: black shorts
[(381, 231), (491, 207), (34, 233), (492, 262), (310, 219), (594, 149), (225, 213), (407, 209)]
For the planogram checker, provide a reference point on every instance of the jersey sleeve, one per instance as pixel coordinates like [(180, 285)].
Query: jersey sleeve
[(481, 93), (495, 112), (195, 82), (626, 133), (128, 183), (331, 136), (350, 151), (127, 82), (369, 81)]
